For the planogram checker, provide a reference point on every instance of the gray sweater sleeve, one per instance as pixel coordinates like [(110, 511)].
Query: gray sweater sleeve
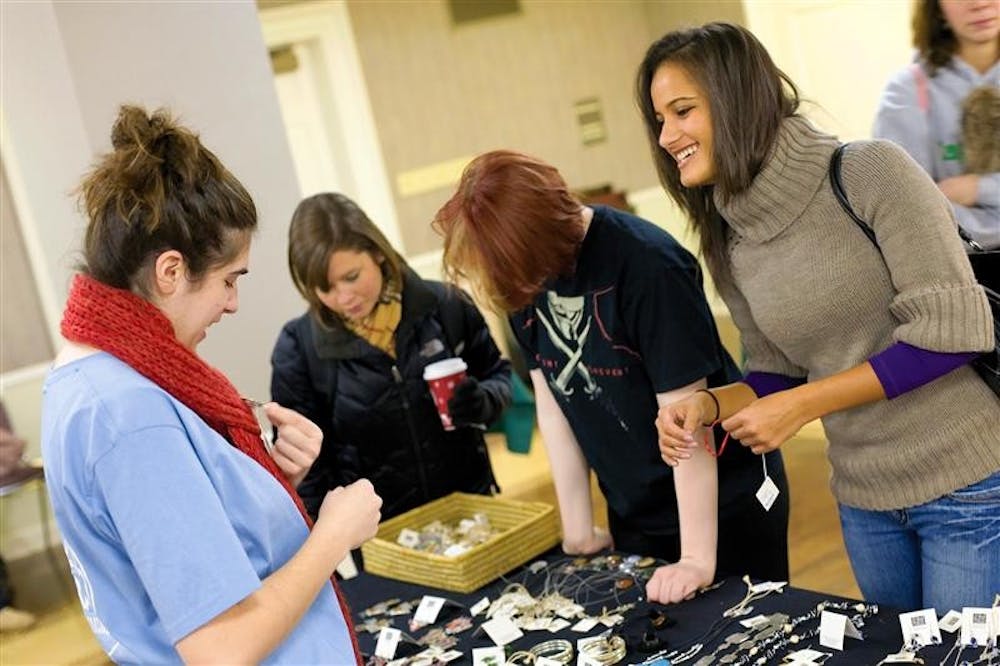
[(938, 303)]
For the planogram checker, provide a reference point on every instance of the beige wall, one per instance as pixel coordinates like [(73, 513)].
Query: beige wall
[(441, 92)]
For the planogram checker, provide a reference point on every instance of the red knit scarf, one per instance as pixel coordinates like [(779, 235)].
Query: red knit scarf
[(135, 331)]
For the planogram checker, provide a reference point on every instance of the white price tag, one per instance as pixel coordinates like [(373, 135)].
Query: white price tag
[(488, 656), (902, 657), (502, 630), (951, 622), (585, 625), (347, 567), (388, 639), (806, 657), (767, 493), (545, 661), (556, 626), (480, 606), (920, 627), (408, 538), (427, 611), (977, 626), (833, 627)]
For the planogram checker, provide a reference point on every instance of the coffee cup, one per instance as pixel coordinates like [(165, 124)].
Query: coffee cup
[(442, 377)]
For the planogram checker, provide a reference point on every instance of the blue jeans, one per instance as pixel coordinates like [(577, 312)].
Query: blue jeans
[(944, 554)]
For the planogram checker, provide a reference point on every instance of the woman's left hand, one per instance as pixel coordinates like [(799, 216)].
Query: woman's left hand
[(297, 444), (768, 422), (678, 582)]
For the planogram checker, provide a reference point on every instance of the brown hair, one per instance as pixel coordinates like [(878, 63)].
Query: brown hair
[(512, 226), (749, 97), (933, 38), (160, 189), (326, 223)]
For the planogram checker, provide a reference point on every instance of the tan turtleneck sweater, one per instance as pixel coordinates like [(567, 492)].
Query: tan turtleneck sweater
[(813, 297)]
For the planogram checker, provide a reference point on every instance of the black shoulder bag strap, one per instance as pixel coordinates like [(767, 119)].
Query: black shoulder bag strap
[(838, 191)]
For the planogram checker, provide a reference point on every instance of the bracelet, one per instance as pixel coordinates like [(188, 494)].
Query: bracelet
[(717, 408), (559, 650), (605, 651), (520, 658)]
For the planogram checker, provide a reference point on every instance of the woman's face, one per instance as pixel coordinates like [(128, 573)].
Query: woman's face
[(686, 123), (194, 306), (355, 284), (973, 21)]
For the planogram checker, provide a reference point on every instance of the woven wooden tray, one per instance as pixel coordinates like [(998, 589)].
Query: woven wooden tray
[(526, 529)]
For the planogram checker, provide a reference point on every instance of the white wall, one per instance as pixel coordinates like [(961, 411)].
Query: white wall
[(66, 69), (840, 54)]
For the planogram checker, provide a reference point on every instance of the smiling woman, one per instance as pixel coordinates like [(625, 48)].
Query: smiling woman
[(184, 534), (796, 274)]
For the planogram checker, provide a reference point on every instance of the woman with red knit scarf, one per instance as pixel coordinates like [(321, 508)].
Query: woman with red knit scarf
[(183, 530)]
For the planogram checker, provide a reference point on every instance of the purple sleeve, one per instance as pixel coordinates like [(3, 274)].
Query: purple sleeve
[(766, 383), (902, 367)]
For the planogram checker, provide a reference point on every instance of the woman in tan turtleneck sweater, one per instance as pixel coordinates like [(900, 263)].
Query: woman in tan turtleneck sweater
[(875, 343)]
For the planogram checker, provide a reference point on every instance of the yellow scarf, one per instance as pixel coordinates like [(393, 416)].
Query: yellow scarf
[(379, 327)]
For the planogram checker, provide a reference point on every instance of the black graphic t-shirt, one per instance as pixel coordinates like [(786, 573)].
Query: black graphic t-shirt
[(630, 323)]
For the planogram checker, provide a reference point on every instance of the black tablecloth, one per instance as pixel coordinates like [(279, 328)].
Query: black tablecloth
[(690, 619)]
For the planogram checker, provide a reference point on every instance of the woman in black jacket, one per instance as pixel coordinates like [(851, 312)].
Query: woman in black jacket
[(353, 364)]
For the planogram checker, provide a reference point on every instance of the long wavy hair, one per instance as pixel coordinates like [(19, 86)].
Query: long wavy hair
[(748, 96)]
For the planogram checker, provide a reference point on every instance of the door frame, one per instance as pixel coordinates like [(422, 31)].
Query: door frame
[(326, 27)]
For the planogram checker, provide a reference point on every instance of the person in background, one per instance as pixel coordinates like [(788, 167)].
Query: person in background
[(958, 51), (11, 462), (354, 364), (876, 344), (611, 315), (183, 531)]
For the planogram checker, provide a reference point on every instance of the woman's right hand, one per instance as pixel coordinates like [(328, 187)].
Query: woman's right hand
[(676, 424), (352, 512)]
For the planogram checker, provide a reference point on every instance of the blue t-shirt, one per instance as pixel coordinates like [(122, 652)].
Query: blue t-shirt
[(165, 524), (631, 322)]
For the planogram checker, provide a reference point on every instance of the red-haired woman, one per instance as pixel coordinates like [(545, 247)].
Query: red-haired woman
[(610, 312)]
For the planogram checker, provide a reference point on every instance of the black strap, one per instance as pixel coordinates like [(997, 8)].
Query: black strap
[(838, 191)]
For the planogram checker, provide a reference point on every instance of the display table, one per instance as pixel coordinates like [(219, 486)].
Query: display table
[(686, 621)]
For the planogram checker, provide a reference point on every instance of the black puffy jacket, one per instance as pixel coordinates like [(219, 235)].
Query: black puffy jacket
[(378, 419)]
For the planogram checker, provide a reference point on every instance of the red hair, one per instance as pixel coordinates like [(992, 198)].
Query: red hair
[(511, 227)]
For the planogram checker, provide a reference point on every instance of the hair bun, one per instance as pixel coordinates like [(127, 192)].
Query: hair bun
[(134, 128)]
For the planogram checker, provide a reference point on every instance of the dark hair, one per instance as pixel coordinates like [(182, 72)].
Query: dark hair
[(932, 36), (511, 227), (326, 223), (748, 96), (160, 189)]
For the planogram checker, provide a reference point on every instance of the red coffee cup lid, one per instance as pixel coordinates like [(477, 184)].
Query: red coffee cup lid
[(445, 368)]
